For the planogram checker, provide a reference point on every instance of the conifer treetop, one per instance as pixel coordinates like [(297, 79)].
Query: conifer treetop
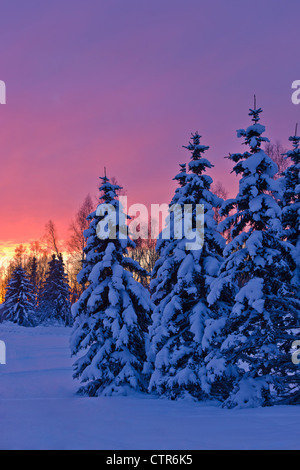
[(253, 135), (198, 164), (295, 138), (108, 190), (255, 201)]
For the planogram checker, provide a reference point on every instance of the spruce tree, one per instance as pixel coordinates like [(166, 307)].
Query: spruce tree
[(47, 292), (55, 305), (19, 299), (179, 285), (33, 277), (255, 283), (62, 308), (291, 202), (113, 312)]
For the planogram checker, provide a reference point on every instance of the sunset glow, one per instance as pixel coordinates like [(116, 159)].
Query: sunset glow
[(88, 95), (149, 234)]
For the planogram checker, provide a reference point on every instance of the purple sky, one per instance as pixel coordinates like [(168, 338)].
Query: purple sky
[(122, 84)]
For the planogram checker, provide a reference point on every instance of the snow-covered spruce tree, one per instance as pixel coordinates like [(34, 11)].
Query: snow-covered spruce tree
[(19, 299), (180, 284), (291, 201), (33, 278), (47, 292), (112, 315), (256, 276), (62, 308), (55, 306)]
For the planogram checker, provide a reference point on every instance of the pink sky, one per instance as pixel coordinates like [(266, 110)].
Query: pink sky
[(123, 84)]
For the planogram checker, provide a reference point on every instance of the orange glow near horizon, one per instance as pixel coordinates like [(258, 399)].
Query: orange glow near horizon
[(8, 251), (128, 98)]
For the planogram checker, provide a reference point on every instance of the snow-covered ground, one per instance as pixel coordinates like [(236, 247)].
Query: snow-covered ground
[(39, 409)]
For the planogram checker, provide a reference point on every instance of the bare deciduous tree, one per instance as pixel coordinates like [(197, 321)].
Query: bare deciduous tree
[(276, 152), (51, 238), (219, 190), (76, 244), (20, 255), (80, 223), (120, 192), (145, 250)]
